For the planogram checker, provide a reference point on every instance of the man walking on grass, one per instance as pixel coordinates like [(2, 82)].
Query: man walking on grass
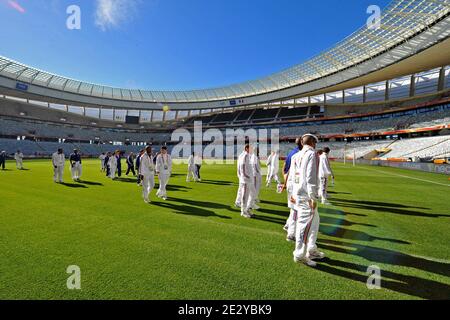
[(304, 198), (147, 172), (75, 165), (163, 170), (245, 175), (58, 161), (18, 156)]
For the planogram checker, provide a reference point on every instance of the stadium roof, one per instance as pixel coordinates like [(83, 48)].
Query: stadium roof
[(401, 20)]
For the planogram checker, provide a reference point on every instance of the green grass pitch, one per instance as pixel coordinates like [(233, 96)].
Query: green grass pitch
[(196, 245)]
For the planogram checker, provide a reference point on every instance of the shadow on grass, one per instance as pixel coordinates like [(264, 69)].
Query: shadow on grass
[(90, 183), (189, 210), (407, 284), (73, 185), (386, 256), (218, 182), (335, 192), (342, 233), (342, 222), (204, 204), (281, 204), (385, 207)]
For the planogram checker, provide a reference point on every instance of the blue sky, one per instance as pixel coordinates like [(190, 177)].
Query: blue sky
[(174, 44)]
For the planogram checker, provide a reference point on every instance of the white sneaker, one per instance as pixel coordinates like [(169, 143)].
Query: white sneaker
[(309, 262), (256, 207), (306, 261), (246, 215), (146, 201), (164, 198), (316, 255), (326, 203), (285, 227)]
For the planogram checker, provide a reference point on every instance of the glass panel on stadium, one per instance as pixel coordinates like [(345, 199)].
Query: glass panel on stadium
[(376, 91), (120, 115), (106, 114), (157, 115), (170, 115), (182, 114), (302, 100), (92, 112), (58, 106), (399, 88), (427, 82), (39, 103), (75, 109), (354, 95), (318, 98), (335, 97), (146, 116)]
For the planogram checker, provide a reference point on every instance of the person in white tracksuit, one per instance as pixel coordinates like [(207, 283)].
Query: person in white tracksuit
[(147, 172), (245, 174), (256, 183), (305, 195), (112, 163), (58, 161), (102, 158), (257, 178), (163, 170), (18, 156), (191, 169), (273, 166), (325, 172), (75, 165)]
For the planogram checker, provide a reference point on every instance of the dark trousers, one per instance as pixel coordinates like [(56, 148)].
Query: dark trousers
[(198, 167), (2, 164), (119, 170), (108, 171), (131, 169)]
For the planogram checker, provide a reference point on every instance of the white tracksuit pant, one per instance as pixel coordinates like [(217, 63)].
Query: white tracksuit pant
[(272, 175), (246, 196), (239, 194), (256, 188), (191, 173), (76, 171), (307, 229), (323, 188), (112, 171), (163, 181), (148, 183), (58, 173), (19, 164)]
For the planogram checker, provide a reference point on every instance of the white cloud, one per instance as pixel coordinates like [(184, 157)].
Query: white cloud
[(111, 13)]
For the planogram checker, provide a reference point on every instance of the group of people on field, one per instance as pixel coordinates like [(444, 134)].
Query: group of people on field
[(18, 157), (306, 176), (306, 172)]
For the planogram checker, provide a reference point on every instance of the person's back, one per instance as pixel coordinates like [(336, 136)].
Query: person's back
[(245, 173)]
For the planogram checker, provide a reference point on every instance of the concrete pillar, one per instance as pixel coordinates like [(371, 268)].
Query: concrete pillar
[(441, 83), (412, 87)]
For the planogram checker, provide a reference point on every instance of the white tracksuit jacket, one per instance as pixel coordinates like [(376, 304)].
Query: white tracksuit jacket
[(164, 169), (305, 188), (58, 161), (246, 185), (147, 171)]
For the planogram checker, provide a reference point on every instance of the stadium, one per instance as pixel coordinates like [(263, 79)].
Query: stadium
[(379, 99)]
